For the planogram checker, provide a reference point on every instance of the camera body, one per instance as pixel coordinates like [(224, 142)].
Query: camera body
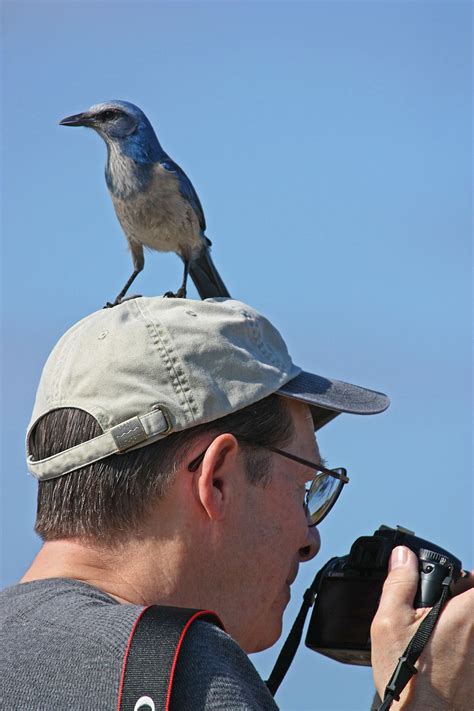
[(349, 588)]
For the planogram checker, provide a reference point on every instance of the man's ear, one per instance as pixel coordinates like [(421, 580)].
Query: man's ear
[(217, 478)]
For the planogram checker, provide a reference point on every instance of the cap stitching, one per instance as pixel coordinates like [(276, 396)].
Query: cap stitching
[(170, 358), (257, 336)]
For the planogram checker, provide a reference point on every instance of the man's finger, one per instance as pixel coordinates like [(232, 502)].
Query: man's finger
[(400, 585), (464, 583)]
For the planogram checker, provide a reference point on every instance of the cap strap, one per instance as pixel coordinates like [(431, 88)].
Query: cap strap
[(123, 437)]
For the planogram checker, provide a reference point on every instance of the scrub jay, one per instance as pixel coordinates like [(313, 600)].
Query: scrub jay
[(156, 203)]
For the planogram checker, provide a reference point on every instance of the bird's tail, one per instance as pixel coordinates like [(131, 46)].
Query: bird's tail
[(205, 276)]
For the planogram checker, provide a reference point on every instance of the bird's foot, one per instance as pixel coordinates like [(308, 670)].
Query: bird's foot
[(118, 301), (180, 294)]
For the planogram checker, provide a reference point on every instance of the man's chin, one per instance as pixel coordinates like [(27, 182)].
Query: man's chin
[(275, 625), (267, 628), (267, 639)]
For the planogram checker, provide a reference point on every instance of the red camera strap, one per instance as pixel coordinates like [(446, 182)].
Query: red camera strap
[(151, 656)]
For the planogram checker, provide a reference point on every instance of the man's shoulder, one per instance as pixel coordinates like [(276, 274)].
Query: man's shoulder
[(213, 672), (66, 606)]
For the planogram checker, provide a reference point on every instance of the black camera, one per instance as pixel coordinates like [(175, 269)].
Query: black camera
[(348, 591)]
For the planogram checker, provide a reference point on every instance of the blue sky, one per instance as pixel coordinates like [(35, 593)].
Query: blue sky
[(330, 145)]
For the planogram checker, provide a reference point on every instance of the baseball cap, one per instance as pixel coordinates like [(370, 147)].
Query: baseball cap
[(152, 365)]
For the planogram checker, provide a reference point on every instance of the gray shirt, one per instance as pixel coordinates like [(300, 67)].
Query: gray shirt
[(63, 643)]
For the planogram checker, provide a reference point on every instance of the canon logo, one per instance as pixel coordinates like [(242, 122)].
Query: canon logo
[(144, 703)]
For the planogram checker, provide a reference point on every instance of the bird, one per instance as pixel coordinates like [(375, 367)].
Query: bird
[(154, 200)]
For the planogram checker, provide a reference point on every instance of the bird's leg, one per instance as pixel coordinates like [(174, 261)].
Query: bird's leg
[(138, 263), (181, 293), (125, 288)]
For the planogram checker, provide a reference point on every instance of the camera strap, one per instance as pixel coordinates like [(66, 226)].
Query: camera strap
[(151, 656), (293, 640), (405, 668)]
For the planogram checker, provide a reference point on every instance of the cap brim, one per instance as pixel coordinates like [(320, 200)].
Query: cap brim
[(328, 398)]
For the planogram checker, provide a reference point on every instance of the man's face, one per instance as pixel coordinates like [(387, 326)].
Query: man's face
[(272, 539)]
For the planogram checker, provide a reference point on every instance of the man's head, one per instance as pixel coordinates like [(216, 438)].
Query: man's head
[(131, 396), (152, 367)]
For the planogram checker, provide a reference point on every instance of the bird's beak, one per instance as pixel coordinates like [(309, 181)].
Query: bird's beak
[(84, 119)]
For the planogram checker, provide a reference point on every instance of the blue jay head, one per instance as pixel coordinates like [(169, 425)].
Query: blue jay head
[(113, 120)]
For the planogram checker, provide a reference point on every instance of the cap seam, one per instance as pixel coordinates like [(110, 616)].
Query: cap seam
[(256, 335), (171, 361)]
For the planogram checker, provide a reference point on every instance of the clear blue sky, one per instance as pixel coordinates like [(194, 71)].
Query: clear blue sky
[(330, 145)]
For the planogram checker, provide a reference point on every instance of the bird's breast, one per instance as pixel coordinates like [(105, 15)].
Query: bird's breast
[(159, 217), (124, 176)]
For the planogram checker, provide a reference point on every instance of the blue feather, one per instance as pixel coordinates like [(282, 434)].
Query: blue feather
[(186, 189)]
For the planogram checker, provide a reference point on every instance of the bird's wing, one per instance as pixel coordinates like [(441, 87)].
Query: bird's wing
[(186, 189)]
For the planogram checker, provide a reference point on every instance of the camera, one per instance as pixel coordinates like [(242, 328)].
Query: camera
[(348, 591)]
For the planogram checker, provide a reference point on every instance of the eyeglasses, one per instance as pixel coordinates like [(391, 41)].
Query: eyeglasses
[(321, 494)]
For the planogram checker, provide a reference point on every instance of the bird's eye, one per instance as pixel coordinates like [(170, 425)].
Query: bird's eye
[(108, 114)]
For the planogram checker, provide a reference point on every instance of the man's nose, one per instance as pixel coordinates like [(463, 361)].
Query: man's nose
[(313, 545)]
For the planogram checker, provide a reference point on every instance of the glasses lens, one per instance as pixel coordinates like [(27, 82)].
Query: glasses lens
[(322, 496)]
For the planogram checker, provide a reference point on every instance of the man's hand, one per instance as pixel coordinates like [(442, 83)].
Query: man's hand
[(445, 679)]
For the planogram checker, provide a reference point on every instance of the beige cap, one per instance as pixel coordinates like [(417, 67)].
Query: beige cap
[(152, 366)]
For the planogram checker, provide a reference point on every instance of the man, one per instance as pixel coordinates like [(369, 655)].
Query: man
[(174, 445)]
